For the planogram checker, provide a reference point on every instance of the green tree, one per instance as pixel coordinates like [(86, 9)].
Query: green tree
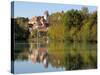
[(84, 12), (72, 18)]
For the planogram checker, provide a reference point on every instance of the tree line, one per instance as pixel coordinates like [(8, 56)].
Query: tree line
[(73, 25), (20, 28), (70, 25)]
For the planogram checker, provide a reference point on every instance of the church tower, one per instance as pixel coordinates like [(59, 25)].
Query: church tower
[(46, 16)]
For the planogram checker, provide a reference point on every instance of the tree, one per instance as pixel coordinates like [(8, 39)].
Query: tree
[(72, 18), (84, 12), (20, 28)]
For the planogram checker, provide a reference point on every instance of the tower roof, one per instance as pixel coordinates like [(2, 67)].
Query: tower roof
[(46, 13)]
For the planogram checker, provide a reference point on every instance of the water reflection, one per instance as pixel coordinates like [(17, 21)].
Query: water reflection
[(55, 56), (39, 54)]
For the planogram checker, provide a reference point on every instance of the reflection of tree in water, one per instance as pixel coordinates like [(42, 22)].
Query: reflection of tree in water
[(37, 54), (73, 62), (59, 55), (79, 60), (21, 51), (56, 54), (93, 58), (72, 57)]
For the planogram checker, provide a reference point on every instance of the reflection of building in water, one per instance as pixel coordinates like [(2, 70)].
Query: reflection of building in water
[(39, 54)]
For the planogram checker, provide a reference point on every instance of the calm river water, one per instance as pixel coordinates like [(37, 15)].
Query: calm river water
[(54, 56)]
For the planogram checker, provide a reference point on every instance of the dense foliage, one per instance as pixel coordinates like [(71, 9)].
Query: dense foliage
[(20, 26), (73, 25)]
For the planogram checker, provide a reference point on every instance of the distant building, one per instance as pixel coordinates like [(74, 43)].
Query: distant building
[(39, 22), (46, 16)]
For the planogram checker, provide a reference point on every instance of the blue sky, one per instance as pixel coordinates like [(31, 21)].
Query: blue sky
[(29, 9)]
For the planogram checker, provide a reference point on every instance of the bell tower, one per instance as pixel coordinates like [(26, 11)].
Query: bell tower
[(46, 15)]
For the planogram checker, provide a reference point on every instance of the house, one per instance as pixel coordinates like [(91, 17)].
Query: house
[(39, 22)]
